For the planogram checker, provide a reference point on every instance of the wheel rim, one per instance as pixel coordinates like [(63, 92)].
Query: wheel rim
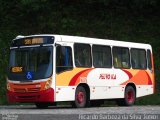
[(130, 96), (80, 97)]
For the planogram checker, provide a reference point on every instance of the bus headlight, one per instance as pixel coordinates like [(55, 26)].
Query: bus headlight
[(8, 86), (48, 84)]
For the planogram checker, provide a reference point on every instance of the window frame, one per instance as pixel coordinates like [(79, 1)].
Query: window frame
[(71, 67), (144, 57), (91, 60), (150, 57), (129, 56), (111, 61), (34, 79)]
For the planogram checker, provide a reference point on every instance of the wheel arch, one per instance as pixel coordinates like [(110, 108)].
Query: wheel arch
[(133, 85), (86, 87)]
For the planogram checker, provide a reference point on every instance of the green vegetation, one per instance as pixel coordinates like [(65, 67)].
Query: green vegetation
[(127, 20)]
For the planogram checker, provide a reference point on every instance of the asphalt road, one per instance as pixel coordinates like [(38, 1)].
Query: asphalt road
[(30, 112)]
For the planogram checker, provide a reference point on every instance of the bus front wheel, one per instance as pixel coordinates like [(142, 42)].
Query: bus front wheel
[(81, 98)]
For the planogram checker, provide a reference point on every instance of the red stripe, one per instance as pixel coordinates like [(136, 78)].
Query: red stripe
[(149, 79), (128, 73), (74, 79)]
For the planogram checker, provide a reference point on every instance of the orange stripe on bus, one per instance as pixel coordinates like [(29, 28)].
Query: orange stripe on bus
[(76, 77), (149, 79), (84, 74), (128, 73), (141, 78)]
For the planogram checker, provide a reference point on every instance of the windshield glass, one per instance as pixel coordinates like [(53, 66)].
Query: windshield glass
[(31, 63)]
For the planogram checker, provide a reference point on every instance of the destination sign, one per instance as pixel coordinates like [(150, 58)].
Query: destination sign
[(33, 41)]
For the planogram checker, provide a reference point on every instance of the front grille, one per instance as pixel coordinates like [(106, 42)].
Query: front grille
[(33, 89), (22, 88)]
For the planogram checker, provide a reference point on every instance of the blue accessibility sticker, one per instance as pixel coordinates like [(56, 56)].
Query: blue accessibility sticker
[(29, 75)]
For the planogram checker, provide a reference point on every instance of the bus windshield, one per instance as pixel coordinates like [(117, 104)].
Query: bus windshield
[(31, 63)]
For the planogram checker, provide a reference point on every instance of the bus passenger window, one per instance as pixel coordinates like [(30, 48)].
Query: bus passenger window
[(149, 60), (63, 59), (138, 58), (82, 54), (102, 56), (121, 57)]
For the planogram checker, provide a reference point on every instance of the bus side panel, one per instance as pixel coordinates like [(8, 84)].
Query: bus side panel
[(111, 83), (65, 84), (107, 92), (106, 83), (143, 90), (142, 79), (103, 83), (65, 93)]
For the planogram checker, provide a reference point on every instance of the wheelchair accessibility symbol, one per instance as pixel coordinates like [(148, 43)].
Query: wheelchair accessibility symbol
[(29, 75)]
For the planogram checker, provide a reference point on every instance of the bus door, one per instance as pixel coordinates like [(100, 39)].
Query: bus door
[(64, 66)]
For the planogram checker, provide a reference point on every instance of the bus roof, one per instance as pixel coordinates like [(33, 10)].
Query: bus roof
[(87, 40)]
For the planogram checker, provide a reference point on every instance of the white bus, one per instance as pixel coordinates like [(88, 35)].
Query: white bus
[(46, 69)]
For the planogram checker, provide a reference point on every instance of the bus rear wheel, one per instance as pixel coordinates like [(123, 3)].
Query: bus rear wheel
[(81, 98), (129, 97)]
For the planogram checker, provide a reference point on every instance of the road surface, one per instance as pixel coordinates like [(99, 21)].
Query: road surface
[(30, 112)]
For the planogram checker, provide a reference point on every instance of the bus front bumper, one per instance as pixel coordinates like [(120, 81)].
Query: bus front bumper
[(41, 96)]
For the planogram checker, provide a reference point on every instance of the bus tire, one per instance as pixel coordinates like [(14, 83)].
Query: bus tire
[(129, 97), (41, 105), (81, 98)]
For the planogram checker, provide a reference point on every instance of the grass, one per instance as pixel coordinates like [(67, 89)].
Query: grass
[(149, 100)]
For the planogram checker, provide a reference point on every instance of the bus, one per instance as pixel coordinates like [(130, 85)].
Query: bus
[(46, 69)]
